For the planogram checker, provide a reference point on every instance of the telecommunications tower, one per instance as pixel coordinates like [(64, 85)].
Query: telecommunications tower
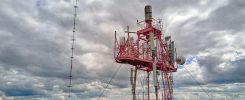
[(151, 52)]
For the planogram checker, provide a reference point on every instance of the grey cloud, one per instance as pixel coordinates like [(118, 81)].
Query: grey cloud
[(232, 72), (228, 17), (35, 37)]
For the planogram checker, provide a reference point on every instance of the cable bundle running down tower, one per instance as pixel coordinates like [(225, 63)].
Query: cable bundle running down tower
[(72, 46), (149, 53)]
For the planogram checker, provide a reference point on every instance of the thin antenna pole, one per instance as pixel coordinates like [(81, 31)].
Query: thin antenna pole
[(148, 85), (72, 47)]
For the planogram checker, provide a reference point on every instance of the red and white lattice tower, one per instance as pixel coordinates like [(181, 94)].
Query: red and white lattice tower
[(149, 52)]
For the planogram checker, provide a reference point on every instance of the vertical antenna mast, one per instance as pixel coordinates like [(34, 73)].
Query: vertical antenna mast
[(72, 46)]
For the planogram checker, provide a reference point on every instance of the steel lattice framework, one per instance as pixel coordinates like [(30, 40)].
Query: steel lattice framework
[(150, 52)]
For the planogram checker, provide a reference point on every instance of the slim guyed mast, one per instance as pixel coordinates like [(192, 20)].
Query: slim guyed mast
[(149, 53), (72, 47)]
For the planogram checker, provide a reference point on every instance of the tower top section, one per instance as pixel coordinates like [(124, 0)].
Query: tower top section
[(148, 13)]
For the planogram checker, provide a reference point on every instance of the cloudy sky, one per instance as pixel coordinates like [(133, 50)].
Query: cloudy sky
[(35, 42)]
